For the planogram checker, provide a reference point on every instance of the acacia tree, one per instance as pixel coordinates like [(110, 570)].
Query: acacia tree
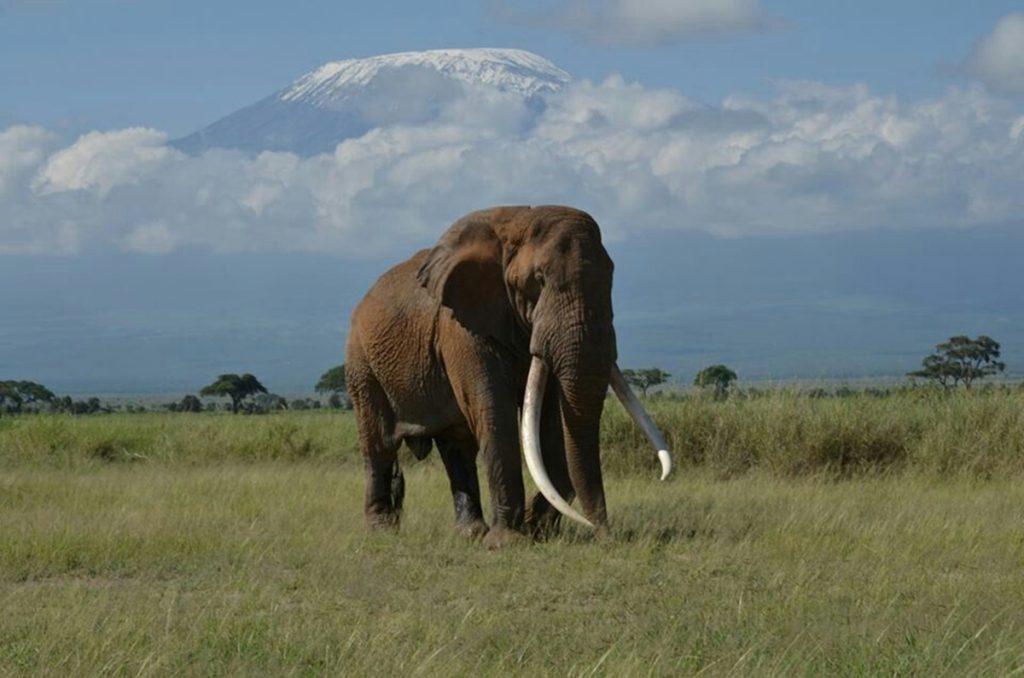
[(190, 403), (717, 377), (961, 360), (9, 398), (333, 382), (644, 379), (236, 387), (16, 394), (31, 392)]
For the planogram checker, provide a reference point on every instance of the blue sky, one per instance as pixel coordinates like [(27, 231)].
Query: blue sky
[(797, 189), (179, 65)]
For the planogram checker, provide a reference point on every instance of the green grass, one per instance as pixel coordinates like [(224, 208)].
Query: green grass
[(979, 435), (855, 536), (266, 568)]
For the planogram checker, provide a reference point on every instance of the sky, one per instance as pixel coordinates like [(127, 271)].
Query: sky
[(799, 189), (176, 66)]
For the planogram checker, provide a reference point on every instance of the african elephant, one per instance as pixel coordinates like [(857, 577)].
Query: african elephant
[(450, 346)]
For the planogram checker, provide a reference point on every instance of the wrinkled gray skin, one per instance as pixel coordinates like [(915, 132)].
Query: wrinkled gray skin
[(439, 351)]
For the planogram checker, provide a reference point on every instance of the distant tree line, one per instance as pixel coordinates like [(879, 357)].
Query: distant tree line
[(245, 394), (958, 361)]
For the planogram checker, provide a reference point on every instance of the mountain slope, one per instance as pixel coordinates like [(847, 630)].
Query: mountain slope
[(344, 99)]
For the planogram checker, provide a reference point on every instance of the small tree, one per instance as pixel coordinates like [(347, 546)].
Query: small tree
[(266, 402), (190, 403), (717, 377), (31, 392), (961, 360), (332, 381), (644, 379), (233, 386), (10, 400), (14, 395)]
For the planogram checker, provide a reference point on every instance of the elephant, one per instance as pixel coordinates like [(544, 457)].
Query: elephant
[(456, 347)]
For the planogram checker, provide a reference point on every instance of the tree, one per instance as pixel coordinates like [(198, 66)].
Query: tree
[(266, 402), (233, 386), (31, 392), (332, 381), (961, 359), (190, 403), (717, 377), (14, 395), (644, 379), (10, 400)]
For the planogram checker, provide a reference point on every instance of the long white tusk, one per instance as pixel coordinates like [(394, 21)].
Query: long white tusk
[(642, 419), (530, 432)]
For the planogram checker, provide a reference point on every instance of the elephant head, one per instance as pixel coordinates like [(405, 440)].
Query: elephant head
[(538, 281)]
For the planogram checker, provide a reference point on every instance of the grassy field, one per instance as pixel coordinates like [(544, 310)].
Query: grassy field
[(843, 536), (969, 435)]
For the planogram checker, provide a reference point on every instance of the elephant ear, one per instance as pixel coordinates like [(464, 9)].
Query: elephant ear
[(465, 273)]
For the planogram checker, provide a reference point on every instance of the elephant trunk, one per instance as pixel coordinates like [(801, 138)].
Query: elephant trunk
[(533, 403), (579, 352), (582, 389)]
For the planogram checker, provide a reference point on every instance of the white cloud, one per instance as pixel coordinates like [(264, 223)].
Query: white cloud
[(643, 22), (811, 158), (102, 160), (22, 149), (998, 59)]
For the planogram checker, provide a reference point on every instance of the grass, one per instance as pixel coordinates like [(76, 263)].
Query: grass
[(168, 544), (972, 435)]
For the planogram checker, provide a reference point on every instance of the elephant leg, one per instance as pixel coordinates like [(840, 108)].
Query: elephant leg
[(489, 404), (542, 518), (458, 452), (499, 447), (385, 485)]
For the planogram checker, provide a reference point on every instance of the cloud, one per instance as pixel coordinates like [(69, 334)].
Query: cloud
[(101, 161), (809, 158), (998, 59), (642, 23)]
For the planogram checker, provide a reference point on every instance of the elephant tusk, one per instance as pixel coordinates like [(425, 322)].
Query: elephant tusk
[(642, 419), (530, 432)]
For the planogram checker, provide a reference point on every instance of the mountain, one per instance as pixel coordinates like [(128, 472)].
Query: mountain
[(345, 99)]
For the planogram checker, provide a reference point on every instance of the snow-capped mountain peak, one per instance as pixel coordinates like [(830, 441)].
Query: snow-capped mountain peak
[(510, 70), (345, 99)]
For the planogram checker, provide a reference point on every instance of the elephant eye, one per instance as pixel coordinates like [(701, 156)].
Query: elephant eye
[(538, 277)]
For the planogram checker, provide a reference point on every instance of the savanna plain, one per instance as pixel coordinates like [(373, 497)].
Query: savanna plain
[(854, 536)]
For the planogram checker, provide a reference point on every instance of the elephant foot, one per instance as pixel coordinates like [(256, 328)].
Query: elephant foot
[(500, 537), (471, 529)]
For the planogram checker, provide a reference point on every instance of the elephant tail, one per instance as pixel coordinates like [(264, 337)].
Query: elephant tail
[(397, 487)]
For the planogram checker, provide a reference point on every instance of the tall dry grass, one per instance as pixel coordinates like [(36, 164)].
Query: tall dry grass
[(785, 433), (974, 434)]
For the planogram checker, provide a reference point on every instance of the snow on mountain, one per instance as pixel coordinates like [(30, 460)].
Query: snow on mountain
[(345, 99)]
